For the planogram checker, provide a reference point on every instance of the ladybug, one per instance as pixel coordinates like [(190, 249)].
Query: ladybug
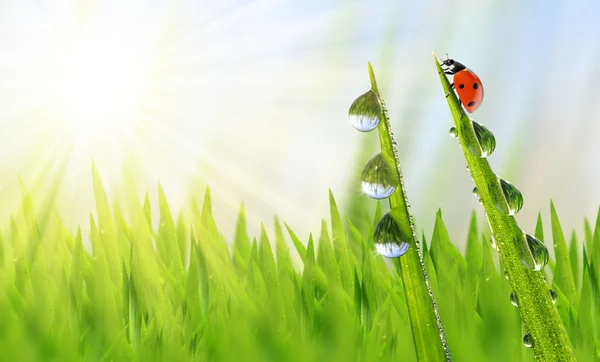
[(467, 84)]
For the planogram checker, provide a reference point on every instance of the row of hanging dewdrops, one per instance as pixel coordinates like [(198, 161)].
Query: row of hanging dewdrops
[(377, 178), (514, 203)]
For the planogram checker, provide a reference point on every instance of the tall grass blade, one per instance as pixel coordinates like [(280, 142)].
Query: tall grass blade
[(540, 317)]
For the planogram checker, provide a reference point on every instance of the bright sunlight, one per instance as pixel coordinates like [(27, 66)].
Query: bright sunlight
[(181, 93), (96, 84), (79, 85), (101, 88)]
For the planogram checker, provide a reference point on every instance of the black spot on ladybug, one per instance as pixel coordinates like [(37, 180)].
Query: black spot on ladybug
[(475, 85), (471, 103), (461, 86)]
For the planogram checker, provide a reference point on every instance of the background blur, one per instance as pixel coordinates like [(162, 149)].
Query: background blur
[(251, 97)]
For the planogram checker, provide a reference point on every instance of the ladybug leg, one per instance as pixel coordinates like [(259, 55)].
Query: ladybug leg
[(449, 90)]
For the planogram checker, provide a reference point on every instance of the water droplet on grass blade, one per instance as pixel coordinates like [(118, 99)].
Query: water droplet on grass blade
[(539, 252), (553, 296), (493, 242), (377, 178), (476, 194), (389, 240), (528, 341), (453, 132), (512, 196), (506, 274), (487, 141), (514, 300), (365, 112)]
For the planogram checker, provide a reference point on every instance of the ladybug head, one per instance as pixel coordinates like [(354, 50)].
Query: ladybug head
[(448, 61), (452, 65)]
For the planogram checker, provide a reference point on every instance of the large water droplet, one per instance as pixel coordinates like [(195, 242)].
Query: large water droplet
[(365, 112), (453, 132), (487, 141), (553, 296), (514, 300), (389, 240), (377, 178), (538, 251), (513, 197), (528, 341)]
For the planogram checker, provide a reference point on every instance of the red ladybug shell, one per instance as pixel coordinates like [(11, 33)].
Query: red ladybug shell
[(469, 89)]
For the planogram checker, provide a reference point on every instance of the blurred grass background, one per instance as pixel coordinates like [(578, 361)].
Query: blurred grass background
[(251, 97)]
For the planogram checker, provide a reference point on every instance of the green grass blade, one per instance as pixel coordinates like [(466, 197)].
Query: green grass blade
[(325, 256), (308, 289), (33, 230), (539, 228), (474, 251), (147, 210), (428, 333), (284, 261), (574, 259), (563, 273), (286, 273), (106, 230), (586, 315), (267, 261), (539, 315), (241, 242), (340, 246), (300, 248), (594, 256), (444, 254), (167, 243)]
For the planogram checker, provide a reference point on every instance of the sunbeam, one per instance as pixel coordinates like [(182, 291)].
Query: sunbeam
[(154, 89)]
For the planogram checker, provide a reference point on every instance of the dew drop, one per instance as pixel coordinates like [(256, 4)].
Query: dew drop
[(453, 132), (377, 178), (365, 112), (506, 274), (514, 300), (553, 296), (487, 141), (493, 242), (538, 251), (389, 240), (476, 194), (528, 341), (513, 197)]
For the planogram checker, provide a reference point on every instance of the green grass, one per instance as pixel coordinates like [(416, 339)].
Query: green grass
[(428, 332), (182, 292), (540, 317)]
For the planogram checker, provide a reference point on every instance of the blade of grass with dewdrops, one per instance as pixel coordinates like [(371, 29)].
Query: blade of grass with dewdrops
[(539, 314), (428, 333)]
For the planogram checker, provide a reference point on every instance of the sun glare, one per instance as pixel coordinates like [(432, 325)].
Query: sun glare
[(79, 85), (179, 92), (100, 86)]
